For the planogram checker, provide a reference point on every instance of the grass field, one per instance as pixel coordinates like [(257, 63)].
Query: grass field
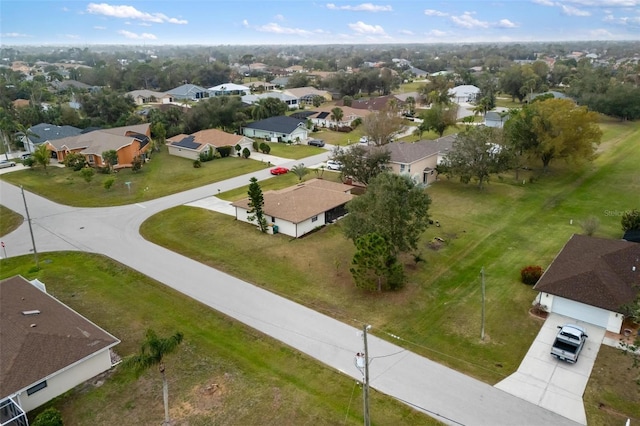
[(9, 220), (505, 227), (223, 373)]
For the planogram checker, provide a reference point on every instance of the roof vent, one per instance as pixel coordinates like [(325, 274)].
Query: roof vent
[(33, 325), (33, 312)]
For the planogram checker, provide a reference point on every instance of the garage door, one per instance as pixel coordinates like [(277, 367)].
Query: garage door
[(580, 311)]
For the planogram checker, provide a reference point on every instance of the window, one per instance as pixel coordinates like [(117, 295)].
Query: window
[(36, 388), (401, 168), (90, 159), (273, 219), (314, 219)]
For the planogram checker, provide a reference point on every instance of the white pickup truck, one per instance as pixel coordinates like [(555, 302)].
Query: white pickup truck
[(569, 342)]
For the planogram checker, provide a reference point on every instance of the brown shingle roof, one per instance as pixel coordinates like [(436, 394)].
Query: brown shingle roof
[(595, 271), (298, 203), (410, 152), (213, 137), (60, 337)]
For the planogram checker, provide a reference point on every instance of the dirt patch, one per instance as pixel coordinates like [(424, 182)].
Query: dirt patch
[(202, 399)]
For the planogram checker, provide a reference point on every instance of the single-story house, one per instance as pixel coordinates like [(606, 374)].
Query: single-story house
[(374, 104), (47, 348), (229, 89), (322, 116), (43, 132), (291, 101), (129, 142), (300, 209), (277, 129), (191, 146), (261, 86), (141, 97), (464, 93), (419, 159), (189, 92), (306, 94), (591, 279)]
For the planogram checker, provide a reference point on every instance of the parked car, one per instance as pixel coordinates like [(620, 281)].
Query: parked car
[(364, 140), (6, 163), (316, 142), (279, 171), (569, 342), (334, 165), (25, 156)]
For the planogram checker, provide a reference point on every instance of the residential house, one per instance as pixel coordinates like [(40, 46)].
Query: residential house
[(280, 81), (495, 119), (591, 279), (307, 94), (464, 93), (277, 129), (322, 116), (191, 146), (229, 89), (261, 86), (129, 142), (299, 209), (43, 132), (291, 101), (188, 92), (47, 348), (144, 96), (418, 159), (374, 104)]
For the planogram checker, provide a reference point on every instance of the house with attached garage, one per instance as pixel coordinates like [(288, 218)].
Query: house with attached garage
[(47, 349), (188, 92), (418, 159), (323, 116), (129, 142), (44, 132), (191, 146), (299, 209), (278, 129), (591, 280), (141, 97)]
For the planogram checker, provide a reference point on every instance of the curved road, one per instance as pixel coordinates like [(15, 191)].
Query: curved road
[(441, 392)]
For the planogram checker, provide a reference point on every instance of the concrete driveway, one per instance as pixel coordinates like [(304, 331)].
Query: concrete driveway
[(550, 383)]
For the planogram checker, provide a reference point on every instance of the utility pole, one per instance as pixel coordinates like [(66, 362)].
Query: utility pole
[(33, 241), (482, 328), (365, 385)]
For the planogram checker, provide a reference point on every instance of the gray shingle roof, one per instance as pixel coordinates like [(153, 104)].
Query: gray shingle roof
[(279, 124), (36, 346), (594, 271), (410, 152), (49, 132)]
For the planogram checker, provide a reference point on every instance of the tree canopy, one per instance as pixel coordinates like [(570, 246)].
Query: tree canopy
[(395, 207), (362, 164)]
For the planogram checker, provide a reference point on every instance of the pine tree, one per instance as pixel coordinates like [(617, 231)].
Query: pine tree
[(256, 204)]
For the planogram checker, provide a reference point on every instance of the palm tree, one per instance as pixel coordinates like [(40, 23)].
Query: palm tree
[(152, 352), (299, 170), (336, 115), (42, 155)]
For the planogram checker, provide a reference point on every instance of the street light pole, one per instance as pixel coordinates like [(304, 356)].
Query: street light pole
[(33, 240)]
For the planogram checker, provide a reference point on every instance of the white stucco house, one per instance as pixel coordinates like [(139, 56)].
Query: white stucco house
[(277, 129), (464, 93), (298, 210), (591, 279), (47, 348)]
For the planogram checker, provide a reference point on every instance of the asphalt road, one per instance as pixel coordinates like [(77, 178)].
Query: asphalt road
[(443, 393)]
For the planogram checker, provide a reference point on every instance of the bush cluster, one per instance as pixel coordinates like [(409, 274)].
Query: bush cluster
[(531, 274)]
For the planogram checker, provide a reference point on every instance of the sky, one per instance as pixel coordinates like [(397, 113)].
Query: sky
[(310, 22)]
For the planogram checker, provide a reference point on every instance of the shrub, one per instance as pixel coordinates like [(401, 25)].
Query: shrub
[(136, 165), (256, 146), (265, 148), (246, 153), (590, 225), (209, 155), (105, 170), (197, 164), (29, 162), (225, 151), (87, 174), (49, 417), (74, 161), (108, 183), (630, 220), (531, 274)]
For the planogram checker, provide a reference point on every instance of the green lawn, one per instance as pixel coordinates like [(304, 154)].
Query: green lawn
[(165, 174), (9, 220), (294, 151), (505, 227), (223, 373)]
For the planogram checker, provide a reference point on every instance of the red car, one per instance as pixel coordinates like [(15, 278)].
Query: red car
[(279, 171)]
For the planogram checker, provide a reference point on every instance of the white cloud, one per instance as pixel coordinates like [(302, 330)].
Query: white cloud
[(279, 18), (574, 11), (362, 28), (245, 23), (134, 36), (467, 21), (72, 36), (406, 32), (606, 3), (600, 33), (15, 35), (98, 27), (274, 28), (545, 2), (432, 12), (130, 12), (437, 33), (505, 23), (364, 7), (630, 21)]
